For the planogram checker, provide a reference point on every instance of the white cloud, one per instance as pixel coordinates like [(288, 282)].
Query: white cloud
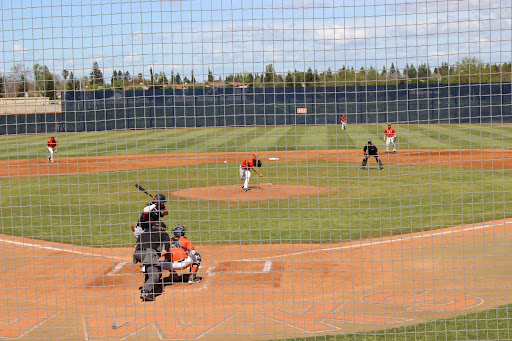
[(19, 49)]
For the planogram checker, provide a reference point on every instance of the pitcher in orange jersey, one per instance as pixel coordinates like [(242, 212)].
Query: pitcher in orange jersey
[(182, 255), (245, 170), (51, 146), (390, 137)]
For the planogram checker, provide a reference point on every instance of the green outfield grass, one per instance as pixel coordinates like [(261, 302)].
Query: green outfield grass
[(492, 324), (98, 209), (192, 140)]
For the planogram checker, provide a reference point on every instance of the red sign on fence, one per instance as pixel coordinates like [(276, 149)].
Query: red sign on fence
[(302, 110)]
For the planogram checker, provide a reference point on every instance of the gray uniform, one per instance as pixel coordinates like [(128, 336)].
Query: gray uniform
[(150, 245)]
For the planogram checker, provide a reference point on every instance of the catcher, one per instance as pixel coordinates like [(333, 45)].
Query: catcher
[(390, 137), (245, 170), (371, 150), (150, 216), (182, 255), (51, 146)]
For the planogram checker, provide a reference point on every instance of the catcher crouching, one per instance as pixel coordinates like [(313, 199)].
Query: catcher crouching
[(182, 255)]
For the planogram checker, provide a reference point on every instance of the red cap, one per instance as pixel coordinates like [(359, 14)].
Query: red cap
[(255, 154), (52, 137), (389, 124)]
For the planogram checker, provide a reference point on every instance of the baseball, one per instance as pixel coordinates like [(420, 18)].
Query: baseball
[(225, 162)]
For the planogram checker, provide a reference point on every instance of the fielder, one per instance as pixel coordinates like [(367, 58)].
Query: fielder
[(51, 146), (371, 150), (150, 216), (343, 120), (390, 137), (245, 170), (182, 255), (151, 245)]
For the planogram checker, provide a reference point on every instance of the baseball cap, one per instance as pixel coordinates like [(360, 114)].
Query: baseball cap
[(255, 154)]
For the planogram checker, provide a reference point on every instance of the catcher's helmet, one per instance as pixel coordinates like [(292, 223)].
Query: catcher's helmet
[(179, 231), (369, 141), (159, 199)]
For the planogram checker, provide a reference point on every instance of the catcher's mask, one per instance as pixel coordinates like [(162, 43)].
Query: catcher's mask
[(369, 141), (179, 231), (159, 199)]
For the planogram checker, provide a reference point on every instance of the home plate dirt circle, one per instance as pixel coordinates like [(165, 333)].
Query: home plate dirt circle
[(256, 192)]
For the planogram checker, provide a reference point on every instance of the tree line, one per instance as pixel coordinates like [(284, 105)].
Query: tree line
[(39, 80)]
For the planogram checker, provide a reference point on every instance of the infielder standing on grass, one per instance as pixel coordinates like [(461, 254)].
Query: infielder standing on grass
[(390, 137), (245, 170), (182, 254), (51, 146), (343, 120)]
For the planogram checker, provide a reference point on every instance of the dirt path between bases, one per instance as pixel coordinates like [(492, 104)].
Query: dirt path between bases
[(256, 292), (492, 158)]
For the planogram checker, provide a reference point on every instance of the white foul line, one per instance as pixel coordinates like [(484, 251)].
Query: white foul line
[(116, 269), (380, 242), (59, 249)]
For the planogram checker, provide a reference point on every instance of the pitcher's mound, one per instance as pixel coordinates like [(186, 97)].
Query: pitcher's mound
[(255, 192)]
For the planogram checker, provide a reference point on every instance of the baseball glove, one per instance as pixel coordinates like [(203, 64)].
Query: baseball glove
[(260, 163), (394, 139)]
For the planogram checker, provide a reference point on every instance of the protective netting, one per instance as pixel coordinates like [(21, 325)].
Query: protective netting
[(322, 169)]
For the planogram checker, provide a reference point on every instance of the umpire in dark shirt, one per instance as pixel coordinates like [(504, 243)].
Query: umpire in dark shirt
[(150, 246), (369, 151)]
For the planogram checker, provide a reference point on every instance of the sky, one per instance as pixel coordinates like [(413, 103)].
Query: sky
[(232, 36)]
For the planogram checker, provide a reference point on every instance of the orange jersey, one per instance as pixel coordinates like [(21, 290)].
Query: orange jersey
[(389, 132), (250, 162), (179, 249), (343, 119), (51, 143)]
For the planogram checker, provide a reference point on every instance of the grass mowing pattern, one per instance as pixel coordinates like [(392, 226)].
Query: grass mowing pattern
[(98, 209), (491, 324), (194, 140)]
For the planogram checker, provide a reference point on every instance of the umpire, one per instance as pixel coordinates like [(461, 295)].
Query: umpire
[(369, 151), (150, 246)]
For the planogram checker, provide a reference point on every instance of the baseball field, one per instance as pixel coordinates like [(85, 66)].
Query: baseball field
[(418, 250)]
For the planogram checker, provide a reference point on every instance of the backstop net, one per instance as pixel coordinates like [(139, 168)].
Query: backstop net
[(260, 170)]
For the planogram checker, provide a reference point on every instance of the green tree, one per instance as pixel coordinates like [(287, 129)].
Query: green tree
[(96, 76), (411, 72), (210, 75), (65, 74), (72, 83), (151, 77), (269, 77), (192, 78), (177, 79), (249, 80), (44, 81), (309, 78), (22, 87)]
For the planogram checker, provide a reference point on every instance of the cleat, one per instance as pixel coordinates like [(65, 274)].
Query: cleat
[(147, 296)]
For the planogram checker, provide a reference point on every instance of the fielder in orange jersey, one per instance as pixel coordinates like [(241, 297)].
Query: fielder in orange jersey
[(390, 137), (343, 120), (182, 255), (51, 146), (245, 170)]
